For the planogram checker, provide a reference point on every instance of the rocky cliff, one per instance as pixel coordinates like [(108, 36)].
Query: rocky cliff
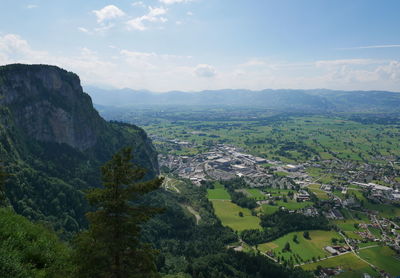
[(53, 142)]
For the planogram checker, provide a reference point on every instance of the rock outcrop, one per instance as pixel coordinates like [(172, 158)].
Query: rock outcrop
[(53, 142)]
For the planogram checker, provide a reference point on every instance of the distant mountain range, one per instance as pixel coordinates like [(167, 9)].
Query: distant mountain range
[(282, 100)]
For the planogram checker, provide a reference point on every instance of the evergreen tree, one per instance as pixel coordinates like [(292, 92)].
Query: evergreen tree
[(111, 248)]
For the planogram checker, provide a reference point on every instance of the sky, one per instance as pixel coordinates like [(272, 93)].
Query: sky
[(193, 45)]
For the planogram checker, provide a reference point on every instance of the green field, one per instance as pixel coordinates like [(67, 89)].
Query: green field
[(290, 204), (218, 193), (328, 136), (383, 257), (305, 249), (315, 188), (256, 194), (353, 267), (268, 209), (375, 231), (347, 225), (228, 213)]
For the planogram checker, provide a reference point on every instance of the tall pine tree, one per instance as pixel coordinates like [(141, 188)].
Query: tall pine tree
[(111, 248)]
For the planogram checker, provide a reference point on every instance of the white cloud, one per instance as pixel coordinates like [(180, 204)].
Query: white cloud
[(189, 13), (154, 15), (169, 2), (163, 72), (204, 70), (327, 63), (13, 47), (373, 46), (390, 71), (138, 4), (107, 13), (32, 6), (84, 30)]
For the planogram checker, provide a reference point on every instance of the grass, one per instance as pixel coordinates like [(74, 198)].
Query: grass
[(353, 266), (290, 205), (306, 249), (328, 136), (256, 194), (281, 174), (228, 213), (366, 244), (383, 257), (268, 209), (375, 231), (218, 193), (315, 188), (293, 205)]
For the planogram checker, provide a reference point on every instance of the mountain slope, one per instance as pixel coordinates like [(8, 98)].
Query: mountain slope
[(53, 142)]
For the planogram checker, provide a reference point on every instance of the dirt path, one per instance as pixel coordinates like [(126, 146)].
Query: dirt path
[(168, 184), (195, 213)]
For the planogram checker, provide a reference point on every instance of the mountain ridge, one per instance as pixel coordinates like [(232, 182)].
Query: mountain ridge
[(53, 142), (319, 100)]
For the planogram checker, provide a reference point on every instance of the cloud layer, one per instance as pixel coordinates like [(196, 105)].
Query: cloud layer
[(163, 72)]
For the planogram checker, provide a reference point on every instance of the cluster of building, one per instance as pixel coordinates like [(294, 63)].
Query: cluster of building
[(333, 214), (379, 192), (337, 250), (222, 162)]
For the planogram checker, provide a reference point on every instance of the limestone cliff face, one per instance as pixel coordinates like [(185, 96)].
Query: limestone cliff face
[(53, 142), (49, 105)]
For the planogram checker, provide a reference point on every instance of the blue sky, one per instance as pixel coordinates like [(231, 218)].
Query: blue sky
[(164, 45)]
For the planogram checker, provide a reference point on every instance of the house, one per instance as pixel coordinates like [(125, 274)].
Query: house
[(293, 168), (302, 196), (331, 250)]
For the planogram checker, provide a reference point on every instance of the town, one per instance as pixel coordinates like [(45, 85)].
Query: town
[(319, 196)]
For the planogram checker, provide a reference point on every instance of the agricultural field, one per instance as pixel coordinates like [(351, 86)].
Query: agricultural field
[(304, 250), (384, 210), (383, 257), (286, 138), (315, 188), (228, 213), (256, 194), (343, 139), (218, 193), (350, 263), (375, 231), (290, 205)]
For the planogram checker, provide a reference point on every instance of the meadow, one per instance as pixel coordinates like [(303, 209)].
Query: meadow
[(256, 194), (315, 188), (218, 193), (383, 257), (290, 204), (350, 263), (304, 249), (285, 138), (228, 213)]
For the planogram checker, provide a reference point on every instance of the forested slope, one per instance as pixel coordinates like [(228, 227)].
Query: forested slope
[(52, 142)]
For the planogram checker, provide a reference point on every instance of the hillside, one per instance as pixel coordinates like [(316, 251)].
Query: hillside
[(52, 142), (282, 100)]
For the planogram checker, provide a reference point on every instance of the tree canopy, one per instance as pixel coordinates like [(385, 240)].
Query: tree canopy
[(111, 247)]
